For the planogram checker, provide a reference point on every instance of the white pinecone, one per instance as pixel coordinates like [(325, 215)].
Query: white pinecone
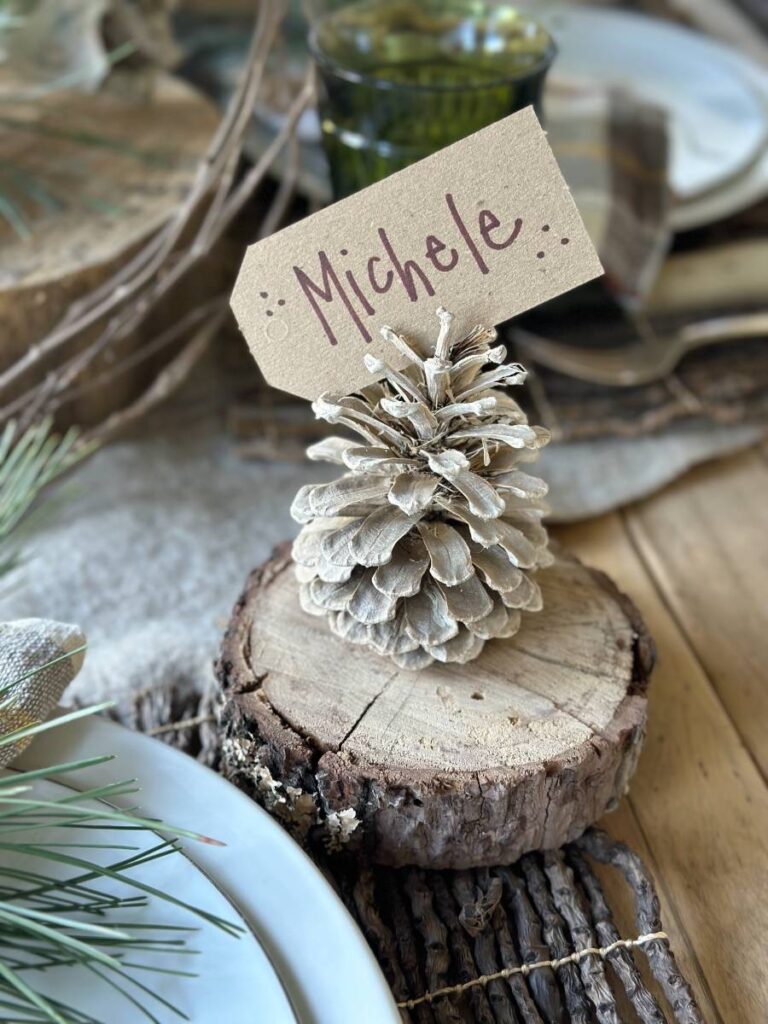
[(424, 548)]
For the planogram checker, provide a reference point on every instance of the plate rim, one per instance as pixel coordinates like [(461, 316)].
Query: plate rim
[(738, 190), (610, 19), (58, 782), (298, 961), (736, 193)]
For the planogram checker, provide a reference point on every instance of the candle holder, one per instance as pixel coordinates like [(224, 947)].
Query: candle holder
[(401, 80)]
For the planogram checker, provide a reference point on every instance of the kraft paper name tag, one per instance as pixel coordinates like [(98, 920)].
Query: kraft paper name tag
[(486, 228)]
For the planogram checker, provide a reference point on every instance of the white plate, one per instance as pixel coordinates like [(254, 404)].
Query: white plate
[(239, 965), (306, 960), (718, 122), (737, 193)]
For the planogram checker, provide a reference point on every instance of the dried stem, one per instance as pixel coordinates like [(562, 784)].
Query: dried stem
[(435, 937), (621, 960), (164, 384), (407, 945), (648, 917), (465, 968), (200, 315), (568, 903), (377, 931), (533, 949), (119, 306), (556, 938), (480, 907)]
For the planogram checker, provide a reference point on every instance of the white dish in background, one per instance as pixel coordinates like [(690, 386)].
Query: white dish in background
[(304, 960), (737, 193), (719, 122)]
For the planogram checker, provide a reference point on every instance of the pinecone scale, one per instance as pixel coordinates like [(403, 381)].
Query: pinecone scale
[(427, 545)]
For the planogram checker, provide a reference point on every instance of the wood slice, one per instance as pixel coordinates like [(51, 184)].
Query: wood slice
[(455, 766), (85, 180)]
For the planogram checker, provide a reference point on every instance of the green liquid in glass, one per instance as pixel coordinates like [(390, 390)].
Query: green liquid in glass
[(399, 81)]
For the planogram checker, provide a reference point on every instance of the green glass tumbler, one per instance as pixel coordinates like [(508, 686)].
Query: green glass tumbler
[(401, 79)]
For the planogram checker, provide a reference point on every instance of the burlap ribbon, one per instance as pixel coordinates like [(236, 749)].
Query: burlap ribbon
[(38, 660)]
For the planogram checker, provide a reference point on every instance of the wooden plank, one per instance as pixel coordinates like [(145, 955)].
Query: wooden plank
[(705, 542), (698, 797)]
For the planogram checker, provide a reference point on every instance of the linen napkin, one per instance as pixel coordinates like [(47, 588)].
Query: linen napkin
[(613, 149)]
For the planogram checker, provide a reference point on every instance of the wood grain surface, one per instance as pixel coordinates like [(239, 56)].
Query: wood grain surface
[(694, 560)]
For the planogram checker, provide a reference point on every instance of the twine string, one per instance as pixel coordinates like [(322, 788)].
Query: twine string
[(183, 723), (526, 969)]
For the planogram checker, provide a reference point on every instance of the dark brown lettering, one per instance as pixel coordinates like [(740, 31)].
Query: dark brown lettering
[(325, 291), (405, 271), (488, 222), (474, 251), (359, 293), (389, 277), (434, 248)]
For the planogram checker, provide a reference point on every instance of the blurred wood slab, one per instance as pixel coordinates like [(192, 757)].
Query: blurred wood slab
[(84, 180), (698, 806), (456, 766)]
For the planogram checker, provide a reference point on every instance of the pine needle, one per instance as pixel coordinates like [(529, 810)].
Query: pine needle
[(30, 461), (65, 920)]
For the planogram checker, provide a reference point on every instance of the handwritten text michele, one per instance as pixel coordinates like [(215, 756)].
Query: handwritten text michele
[(330, 286)]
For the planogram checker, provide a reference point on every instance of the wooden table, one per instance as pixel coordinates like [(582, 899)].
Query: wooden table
[(695, 560)]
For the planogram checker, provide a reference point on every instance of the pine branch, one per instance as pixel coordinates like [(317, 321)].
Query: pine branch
[(54, 911), (29, 462)]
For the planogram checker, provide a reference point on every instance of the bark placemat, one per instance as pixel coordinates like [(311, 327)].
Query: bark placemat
[(536, 942)]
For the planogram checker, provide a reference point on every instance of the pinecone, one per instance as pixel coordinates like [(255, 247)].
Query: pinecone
[(423, 549)]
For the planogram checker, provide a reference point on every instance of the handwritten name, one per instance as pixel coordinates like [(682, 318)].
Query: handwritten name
[(386, 269)]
